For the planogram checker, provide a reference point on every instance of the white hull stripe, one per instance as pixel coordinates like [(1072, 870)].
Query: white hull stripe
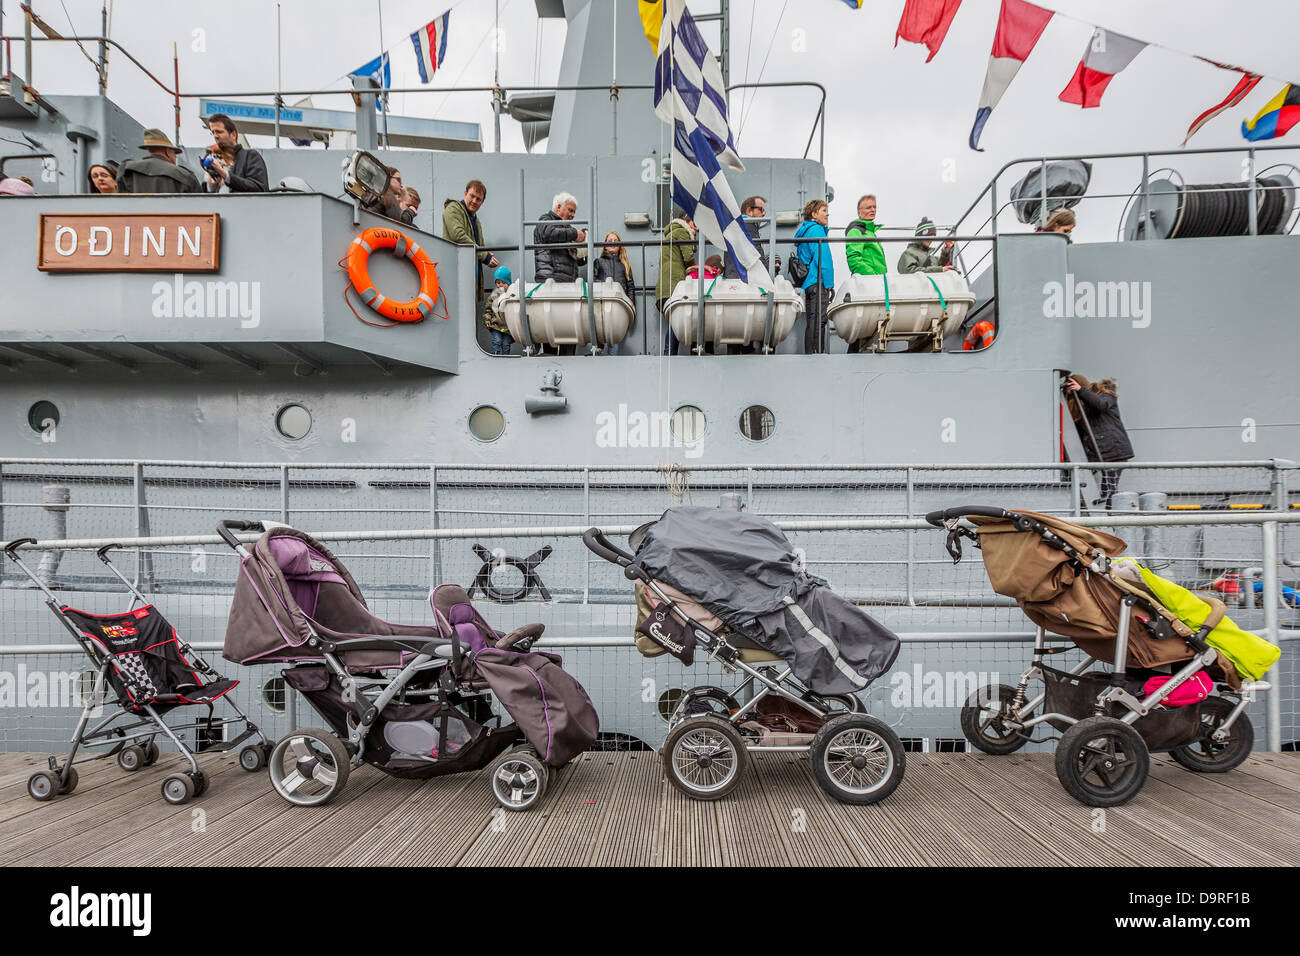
[(820, 636)]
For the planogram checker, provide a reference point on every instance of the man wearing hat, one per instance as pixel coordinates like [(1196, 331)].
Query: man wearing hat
[(917, 257), (157, 172)]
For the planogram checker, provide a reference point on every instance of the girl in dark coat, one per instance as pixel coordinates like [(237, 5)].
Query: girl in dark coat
[(1100, 403), (612, 263)]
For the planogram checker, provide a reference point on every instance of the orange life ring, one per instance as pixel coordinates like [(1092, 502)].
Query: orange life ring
[(417, 309), (980, 337)]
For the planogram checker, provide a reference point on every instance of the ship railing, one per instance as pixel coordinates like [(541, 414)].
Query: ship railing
[(278, 96), (960, 623), (1251, 158), (769, 244)]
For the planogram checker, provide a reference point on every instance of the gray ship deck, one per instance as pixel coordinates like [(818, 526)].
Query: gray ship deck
[(617, 809)]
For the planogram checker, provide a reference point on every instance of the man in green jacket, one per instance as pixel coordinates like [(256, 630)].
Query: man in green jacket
[(865, 258), (674, 260), (917, 257), (460, 224)]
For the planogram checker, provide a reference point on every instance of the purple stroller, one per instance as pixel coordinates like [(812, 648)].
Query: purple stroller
[(413, 701)]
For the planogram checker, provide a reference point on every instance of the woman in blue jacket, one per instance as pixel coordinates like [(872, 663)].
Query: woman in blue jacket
[(819, 284)]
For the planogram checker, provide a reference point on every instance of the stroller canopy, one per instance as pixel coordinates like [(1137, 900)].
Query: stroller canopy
[(742, 568), (291, 584)]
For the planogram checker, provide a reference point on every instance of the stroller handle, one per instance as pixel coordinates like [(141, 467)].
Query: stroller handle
[(937, 518), (596, 541), (236, 524)]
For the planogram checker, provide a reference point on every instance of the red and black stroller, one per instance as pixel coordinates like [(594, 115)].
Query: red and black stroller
[(412, 701), (152, 671)]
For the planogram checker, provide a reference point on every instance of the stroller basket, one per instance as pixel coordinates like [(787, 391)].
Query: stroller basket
[(1076, 696)]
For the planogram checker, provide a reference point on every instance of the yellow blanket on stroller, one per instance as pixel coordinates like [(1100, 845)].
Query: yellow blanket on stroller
[(1249, 653)]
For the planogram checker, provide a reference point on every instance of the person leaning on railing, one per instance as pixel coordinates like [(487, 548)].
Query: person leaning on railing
[(460, 225), (246, 173), (158, 172), (819, 284), (917, 257), (676, 255)]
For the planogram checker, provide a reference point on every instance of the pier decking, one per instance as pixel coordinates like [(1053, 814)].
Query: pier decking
[(617, 809)]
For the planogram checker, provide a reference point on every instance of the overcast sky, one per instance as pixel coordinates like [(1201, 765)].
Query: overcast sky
[(896, 125)]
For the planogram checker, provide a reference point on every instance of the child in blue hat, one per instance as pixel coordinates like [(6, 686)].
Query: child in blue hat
[(494, 318)]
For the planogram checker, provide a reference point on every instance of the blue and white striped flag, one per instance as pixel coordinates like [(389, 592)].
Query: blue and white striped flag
[(691, 96), (381, 67)]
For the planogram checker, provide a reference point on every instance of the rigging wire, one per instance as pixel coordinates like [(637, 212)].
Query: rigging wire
[(763, 68)]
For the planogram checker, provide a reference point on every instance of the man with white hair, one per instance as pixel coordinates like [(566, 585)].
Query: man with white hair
[(558, 264)]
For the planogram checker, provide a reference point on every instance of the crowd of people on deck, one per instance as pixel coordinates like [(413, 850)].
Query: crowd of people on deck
[(231, 167)]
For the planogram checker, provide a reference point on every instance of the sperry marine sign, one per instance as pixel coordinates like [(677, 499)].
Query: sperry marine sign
[(127, 242)]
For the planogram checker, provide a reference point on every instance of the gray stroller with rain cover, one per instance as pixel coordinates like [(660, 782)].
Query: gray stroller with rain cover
[(728, 585), (413, 701), (152, 672)]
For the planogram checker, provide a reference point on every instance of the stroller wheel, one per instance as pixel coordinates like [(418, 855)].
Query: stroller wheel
[(519, 778), (131, 758), (252, 758), (309, 767), (1102, 762), (1208, 755), (857, 759), (200, 783), (704, 757), (151, 753), (982, 721), (178, 789), (43, 785), (72, 781)]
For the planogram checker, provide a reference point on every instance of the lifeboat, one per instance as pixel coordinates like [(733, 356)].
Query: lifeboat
[(918, 307), (735, 312), (557, 312)]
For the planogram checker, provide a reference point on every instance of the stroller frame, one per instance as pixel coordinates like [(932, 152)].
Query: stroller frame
[(776, 679), (1012, 718), (134, 743)]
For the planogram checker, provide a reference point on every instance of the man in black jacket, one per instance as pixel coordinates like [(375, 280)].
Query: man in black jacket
[(558, 264), (248, 174), (157, 172)]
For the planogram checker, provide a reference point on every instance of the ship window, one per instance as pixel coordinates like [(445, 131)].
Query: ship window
[(688, 423), (757, 423), (273, 694), (486, 423), (43, 416), (293, 422)]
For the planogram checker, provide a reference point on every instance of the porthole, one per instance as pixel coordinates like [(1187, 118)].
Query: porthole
[(293, 422), (274, 694), (688, 423), (43, 416), (668, 702), (757, 423), (486, 423)]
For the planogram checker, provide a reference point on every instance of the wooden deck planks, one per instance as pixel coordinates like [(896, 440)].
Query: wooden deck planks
[(618, 809)]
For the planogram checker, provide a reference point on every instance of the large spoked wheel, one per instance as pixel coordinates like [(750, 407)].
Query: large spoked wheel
[(1209, 755), (704, 757), (1102, 762), (983, 721), (309, 767), (519, 779), (857, 759)]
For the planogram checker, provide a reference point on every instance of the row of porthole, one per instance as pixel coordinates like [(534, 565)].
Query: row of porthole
[(486, 423), (757, 423)]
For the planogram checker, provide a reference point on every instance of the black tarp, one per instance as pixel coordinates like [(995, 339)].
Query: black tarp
[(741, 567)]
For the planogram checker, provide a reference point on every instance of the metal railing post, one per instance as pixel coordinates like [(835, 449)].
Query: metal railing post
[(435, 552), (591, 259), (529, 347), (1142, 198), (1076, 488), (749, 488), (699, 288), (911, 546), (1252, 193), (586, 520), (137, 482), (1272, 597), (284, 493)]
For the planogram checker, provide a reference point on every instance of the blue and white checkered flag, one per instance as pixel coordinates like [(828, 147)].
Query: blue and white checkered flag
[(691, 96)]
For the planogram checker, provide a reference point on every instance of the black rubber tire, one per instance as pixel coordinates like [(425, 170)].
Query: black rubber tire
[(338, 757), (724, 703), (200, 783), (252, 758), (131, 758), (151, 754), (519, 779), (178, 789), (847, 703), (820, 757), (987, 734), (71, 783), (1206, 756), (721, 735), (43, 785), (1094, 750)]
